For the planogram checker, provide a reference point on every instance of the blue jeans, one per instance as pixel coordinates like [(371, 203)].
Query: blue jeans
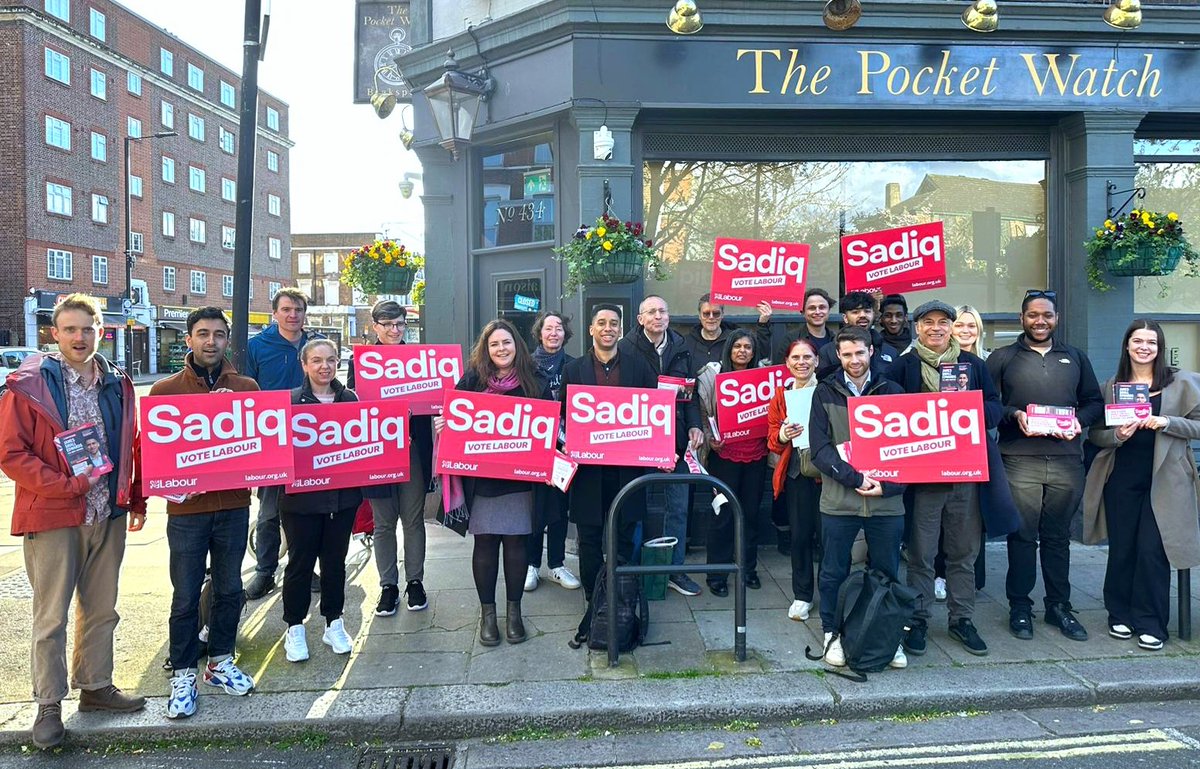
[(671, 502), (194, 540), (838, 533)]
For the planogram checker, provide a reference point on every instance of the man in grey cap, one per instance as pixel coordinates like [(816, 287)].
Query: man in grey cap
[(949, 508)]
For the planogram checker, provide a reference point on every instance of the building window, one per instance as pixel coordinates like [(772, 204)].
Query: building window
[(195, 78), (196, 230), (273, 287), (100, 209), (166, 62), (133, 83), (272, 161), (99, 85), (305, 285), (96, 26), (196, 179), (228, 237), (168, 169), (58, 264), (274, 205), (226, 285), (59, 8), (199, 282), (275, 248), (168, 224), (304, 263), (333, 290), (1169, 172), (518, 194), (58, 67), (58, 133), (330, 259), (272, 118), (58, 199), (100, 269), (228, 95), (168, 278), (226, 139), (99, 147), (228, 190), (135, 242), (135, 186), (168, 115), (196, 127), (133, 128)]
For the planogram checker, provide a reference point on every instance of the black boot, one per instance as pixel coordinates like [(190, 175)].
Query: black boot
[(489, 632), (514, 628)]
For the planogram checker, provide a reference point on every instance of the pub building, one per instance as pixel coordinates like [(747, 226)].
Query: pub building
[(768, 124)]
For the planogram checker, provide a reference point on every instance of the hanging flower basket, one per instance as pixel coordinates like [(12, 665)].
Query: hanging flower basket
[(1145, 259), (383, 267), (611, 251), (1142, 243), (618, 267)]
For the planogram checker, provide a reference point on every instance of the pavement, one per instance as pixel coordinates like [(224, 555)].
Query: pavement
[(424, 676)]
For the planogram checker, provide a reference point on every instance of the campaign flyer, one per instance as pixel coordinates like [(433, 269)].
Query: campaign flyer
[(1131, 403), (83, 450)]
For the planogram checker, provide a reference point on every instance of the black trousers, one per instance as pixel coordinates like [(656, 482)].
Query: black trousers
[(1047, 490), (746, 479), (313, 538), (803, 498), (1137, 582)]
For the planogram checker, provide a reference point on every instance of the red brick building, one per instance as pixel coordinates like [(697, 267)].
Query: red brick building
[(76, 78)]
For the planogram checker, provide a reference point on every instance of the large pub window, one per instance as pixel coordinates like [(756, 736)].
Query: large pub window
[(518, 193)]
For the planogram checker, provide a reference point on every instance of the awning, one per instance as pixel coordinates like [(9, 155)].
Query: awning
[(173, 324)]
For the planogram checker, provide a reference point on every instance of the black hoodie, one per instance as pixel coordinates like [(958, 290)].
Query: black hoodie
[(705, 351)]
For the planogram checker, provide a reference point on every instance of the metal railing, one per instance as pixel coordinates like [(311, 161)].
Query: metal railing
[(1185, 604), (737, 568)]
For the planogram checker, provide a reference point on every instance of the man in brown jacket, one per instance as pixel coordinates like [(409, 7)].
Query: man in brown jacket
[(200, 527)]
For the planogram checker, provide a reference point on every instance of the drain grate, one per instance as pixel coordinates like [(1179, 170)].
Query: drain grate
[(411, 757), (16, 586)]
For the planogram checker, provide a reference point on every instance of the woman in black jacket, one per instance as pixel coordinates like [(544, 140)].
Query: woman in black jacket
[(317, 523), (501, 510)]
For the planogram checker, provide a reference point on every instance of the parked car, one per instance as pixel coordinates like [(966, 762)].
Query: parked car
[(10, 360)]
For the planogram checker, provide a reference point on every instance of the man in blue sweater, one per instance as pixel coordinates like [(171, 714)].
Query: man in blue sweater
[(273, 360)]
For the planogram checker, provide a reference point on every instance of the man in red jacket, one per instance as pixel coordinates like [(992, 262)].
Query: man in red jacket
[(73, 526)]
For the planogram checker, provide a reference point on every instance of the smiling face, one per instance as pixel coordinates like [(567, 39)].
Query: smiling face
[(966, 331), (801, 361), (653, 315), (710, 317), (1143, 347), (92, 445), (863, 316), (78, 335), (502, 350), (893, 318), (742, 353), (207, 340), (290, 314), (390, 330), (816, 311), (552, 334), (855, 358), (605, 330), (933, 330), (320, 365), (1039, 320)]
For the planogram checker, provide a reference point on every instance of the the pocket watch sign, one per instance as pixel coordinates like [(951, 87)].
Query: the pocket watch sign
[(381, 34)]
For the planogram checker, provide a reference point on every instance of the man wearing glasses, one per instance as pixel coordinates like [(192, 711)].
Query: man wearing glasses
[(1045, 472), (707, 338), (400, 504)]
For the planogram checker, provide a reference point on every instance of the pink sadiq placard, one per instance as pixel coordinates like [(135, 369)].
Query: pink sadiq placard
[(746, 272), (498, 436), (419, 373), (743, 398), (896, 261), (345, 445), (215, 441), (630, 426)]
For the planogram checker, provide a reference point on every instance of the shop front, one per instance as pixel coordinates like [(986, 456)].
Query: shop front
[(172, 330), (39, 309), (768, 126)]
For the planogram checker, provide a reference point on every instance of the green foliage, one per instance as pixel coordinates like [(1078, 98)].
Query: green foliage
[(1145, 230), (367, 266), (600, 243)]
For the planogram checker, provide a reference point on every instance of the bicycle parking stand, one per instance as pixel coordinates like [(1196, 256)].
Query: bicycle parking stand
[(737, 568), (1185, 604)]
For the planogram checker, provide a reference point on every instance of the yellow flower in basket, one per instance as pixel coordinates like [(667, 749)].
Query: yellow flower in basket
[(608, 245), (1174, 217), (601, 231)]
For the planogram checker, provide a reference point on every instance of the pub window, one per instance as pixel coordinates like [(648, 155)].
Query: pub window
[(518, 194), (519, 300)]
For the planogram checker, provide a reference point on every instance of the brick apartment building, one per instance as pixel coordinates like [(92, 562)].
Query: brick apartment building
[(76, 78)]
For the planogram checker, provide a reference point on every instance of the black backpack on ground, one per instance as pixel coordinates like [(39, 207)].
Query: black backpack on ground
[(633, 613), (873, 613)]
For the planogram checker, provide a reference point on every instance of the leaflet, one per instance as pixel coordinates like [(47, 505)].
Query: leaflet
[(1131, 403), (83, 449), (799, 406), (1049, 420)]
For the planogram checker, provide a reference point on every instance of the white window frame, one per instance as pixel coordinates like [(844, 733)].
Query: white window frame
[(333, 290), (59, 9), (58, 131), (135, 186), (197, 179), (168, 278), (166, 114), (100, 269), (228, 237), (274, 205), (136, 242), (195, 77), (133, 83), (197, 230), (273, 161), (166, 62), (273, 287), (228, 189), (329, 261), (59, 199), (304, 262), (99, 85), (226, 285), (99, 208), (168, 224), (227, 90), (63, 260), (168, 169), (58, 66), (196, 127), (133, 127), (225, 139), (97, 26), (272, 118), (99, 147), (199, 282), (274, 249)]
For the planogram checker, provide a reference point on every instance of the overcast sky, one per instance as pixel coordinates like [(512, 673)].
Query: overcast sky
[(347, 163)]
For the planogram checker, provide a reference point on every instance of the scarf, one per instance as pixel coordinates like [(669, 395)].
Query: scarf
[(931, 363), (900, 341), (504, 384), (550, 364)]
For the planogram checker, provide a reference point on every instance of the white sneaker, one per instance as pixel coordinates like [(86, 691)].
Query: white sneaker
[(531, 579), (182, 702), (939, 590), (900, 661), (295, 645), (834, 656), (563, 576), (226, 675), (337, 638), (799, 610)]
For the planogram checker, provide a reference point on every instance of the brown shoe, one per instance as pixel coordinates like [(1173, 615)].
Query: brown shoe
[(48, 727), (109, 699)]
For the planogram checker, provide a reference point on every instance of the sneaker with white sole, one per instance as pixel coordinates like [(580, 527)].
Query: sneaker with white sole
[(834, 655), (182, 702), (226, 675), (295, 645), (1149, 643), (531, 579), (798, 611), (563, 576), (939, 590), (900, 660), (1120, 632), (336, 637)]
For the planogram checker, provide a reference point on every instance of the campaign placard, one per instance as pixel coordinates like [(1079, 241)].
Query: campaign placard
[(896, 261), (1049, 420), (746, 272), (344, 445), (498, 436), (743, 398), (215, 441), (631, 426), (920, 438), (419, 373), (1131, 403)]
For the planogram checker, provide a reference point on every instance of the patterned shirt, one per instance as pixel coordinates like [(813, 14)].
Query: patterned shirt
[(83, 407)]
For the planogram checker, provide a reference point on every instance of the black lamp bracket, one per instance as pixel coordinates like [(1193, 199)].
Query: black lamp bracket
[(1111, 191)]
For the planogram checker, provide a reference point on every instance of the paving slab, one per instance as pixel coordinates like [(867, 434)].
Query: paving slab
[(404, 669), (1148, 678)]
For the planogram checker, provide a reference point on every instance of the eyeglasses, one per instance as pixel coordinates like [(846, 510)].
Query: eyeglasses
[(655, 311), (711, 314), (1034, 293), (395, 325)]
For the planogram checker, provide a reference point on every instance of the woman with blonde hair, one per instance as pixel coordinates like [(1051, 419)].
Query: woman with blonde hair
[(967, 329)]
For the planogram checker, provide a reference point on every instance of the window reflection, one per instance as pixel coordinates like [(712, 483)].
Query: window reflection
[(518, 194), (1170, 187)]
